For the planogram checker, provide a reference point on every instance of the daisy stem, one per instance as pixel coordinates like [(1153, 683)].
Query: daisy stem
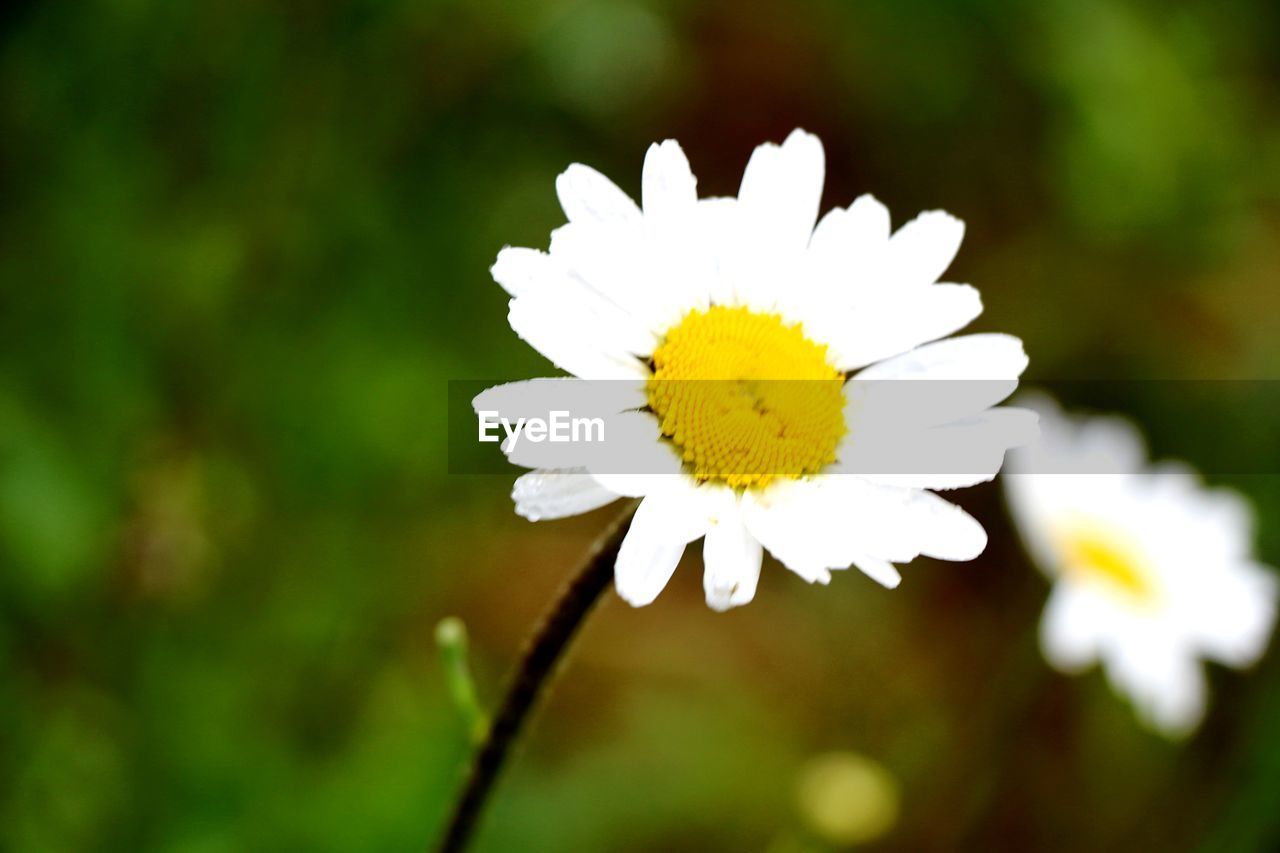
[(537, 664)]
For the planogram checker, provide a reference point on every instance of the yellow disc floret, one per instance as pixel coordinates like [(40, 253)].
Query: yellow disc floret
[(746, 397), (1093, 554)]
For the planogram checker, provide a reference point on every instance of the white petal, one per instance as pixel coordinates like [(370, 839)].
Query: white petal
[(568, 342), (1234, 614), (1226, 519), (846, 237), (777, 518), (810, 572), (880, 571), (869, 220), (532, 397), (950, 456), (622, 266), (847, 253), (1068, 630), (732, 559), (894, 322), (588, 196), (986, 356), (554, 287), (668, 188), (1106, 445), (1180, 705), (646, 562), (1112, 445), (825, 522), (664, 524), (519, 270), (921, 250), (946, 531), (638, 462), (544, 495), (781, 189), (890, 405), (1165, 682)]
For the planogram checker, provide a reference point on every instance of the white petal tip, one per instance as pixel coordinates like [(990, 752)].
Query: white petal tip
[(880, 571), (724, 600), (634, 599), (798, 135), (941, 216)]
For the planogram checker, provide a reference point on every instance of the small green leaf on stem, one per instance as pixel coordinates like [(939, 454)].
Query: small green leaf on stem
[(451, 637)]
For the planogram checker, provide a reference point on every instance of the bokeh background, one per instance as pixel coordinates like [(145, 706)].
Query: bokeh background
[(243, 248)]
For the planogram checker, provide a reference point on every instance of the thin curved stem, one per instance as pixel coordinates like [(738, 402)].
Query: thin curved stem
[(538, 663)]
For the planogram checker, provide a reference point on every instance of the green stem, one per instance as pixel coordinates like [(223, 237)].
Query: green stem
[(538, 663)]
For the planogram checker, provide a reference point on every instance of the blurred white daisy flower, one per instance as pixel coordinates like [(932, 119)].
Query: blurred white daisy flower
[(741, 291), (1151, 570)]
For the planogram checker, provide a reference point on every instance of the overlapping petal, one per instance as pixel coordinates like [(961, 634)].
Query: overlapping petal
[(542, 495)]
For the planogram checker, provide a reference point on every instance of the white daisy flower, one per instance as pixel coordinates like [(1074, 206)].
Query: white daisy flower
[(1151, 570), (745, 290)]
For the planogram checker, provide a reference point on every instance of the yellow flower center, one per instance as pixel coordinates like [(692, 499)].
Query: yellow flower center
[(746, 397), (1097, 555)]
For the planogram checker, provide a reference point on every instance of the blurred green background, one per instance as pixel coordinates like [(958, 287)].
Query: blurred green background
[(243, 248)]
